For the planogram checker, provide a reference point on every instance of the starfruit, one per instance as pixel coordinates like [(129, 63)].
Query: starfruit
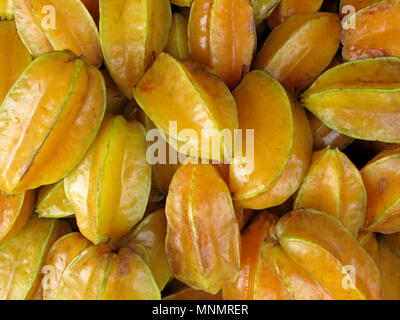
[(203, 239), (132, 33), (178, 43), (211, 119), (53, 203), (282, 146), (254, 281), (324, 136), (334, 185), (150, 233), (359, 99), (293, 54), (48, 120), (375, 33), (222, 37), (60, 255), (15, 211), (381, 178), (47, 25), (263, 9), (22, 257), (316, 257), (14, 57), (110, 187), (98, 273), (289, 8)]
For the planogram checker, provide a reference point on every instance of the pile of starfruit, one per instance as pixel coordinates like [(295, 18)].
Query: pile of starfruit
[(200, 149)]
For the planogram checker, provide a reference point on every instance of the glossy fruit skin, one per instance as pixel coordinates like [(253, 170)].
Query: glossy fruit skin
[(371, 84), (334, 185), (59, 100), (375, 32), (139, 27), (289, 8), (222, 37), (263, 9), (215, 113), (99, 274), (290, 258), (253, 282), (292, 52), (322, 246), (203, 239), (380, 177), (324, 136), (150, 233), (106, 207), (21, 265), (53, 203), (11, 46), (178, 45), (15, 211), (60, 255), (272, 181), (45, 26)]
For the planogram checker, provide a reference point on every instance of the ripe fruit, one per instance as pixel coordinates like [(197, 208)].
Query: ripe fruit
[(103, 188), (203, 239), (48, 120)]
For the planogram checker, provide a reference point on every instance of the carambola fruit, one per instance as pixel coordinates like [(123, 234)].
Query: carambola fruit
[(359, 99), (53, 203), (289, 8), (132, 34), (15, 211), (103, 189), (14, 57), (23, 256), (47, 25), (98, 273), (150, 233), (334, 185), (48, 120), (293, 53), (375, 33), (203, 239), (212, 115), (282, 144), (177, 45), (60, 255), (381, 178), (222, 37)]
